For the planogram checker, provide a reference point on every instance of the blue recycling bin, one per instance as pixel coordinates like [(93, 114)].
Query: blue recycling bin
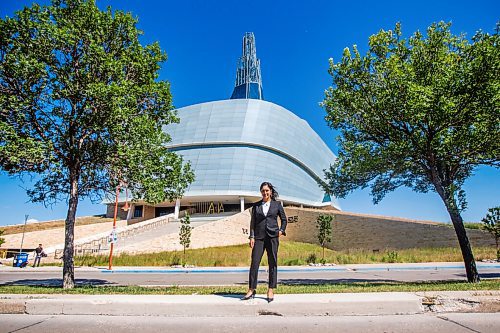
[(20, 259)]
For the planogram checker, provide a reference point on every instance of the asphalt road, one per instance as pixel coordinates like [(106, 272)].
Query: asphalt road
[(421, 323), (240, 277)]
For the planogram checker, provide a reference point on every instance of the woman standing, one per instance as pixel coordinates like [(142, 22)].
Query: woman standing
[(265, 234)]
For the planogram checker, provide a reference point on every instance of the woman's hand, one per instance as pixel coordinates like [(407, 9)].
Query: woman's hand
[(252, 242), (280, 233)]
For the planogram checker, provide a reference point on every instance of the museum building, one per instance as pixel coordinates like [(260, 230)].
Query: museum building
[(234, 145)]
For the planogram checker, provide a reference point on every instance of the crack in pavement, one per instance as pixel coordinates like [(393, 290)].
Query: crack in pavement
[(457, 323), (28, 326)]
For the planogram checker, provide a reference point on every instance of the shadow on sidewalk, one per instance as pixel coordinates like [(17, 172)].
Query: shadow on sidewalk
[(57, 282)]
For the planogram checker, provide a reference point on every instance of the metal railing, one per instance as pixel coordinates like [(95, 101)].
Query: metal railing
[(95, 246)]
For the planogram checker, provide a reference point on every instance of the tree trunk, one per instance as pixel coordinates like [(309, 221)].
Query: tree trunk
[(69, 237), (463, 240)]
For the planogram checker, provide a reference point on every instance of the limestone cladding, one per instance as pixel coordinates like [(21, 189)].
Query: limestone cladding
[(371, 232), (53, 237), (350, 231), (232, 230)]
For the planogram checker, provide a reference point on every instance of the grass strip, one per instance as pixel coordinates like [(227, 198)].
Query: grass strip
[(355, 287), (290, 254)]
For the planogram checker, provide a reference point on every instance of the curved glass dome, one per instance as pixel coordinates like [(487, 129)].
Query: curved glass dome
[(234, 145)]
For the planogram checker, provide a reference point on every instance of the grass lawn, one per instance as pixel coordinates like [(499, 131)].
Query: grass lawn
[(290, 254), (358, 287)]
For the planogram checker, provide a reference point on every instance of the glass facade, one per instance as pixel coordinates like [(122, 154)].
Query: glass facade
[(234, 145)]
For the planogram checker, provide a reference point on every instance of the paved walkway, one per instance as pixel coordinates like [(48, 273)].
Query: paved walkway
[(335, 304), (230, 305)]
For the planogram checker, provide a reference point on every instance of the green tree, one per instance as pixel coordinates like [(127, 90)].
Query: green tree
[(2, 240), (82, 109), (185, 233), (324, 226), (421, 112), (491, 223)]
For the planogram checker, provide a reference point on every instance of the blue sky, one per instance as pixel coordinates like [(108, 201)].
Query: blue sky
[(294, 40)]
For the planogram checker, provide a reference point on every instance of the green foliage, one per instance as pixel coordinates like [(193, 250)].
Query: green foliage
[(293, 262), (82, 108), (421, 112), (2, 240), (491, 223), (324, 226), (472, 225), (290, 252), (80, 99), (292, 288), (185, 232), (312, 258), (390, 257)]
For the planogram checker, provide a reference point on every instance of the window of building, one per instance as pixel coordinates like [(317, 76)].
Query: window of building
[(138, 211)]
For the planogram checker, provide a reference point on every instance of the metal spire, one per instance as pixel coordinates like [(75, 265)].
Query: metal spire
[(248, 80)]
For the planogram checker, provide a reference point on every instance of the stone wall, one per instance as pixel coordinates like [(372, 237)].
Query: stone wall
[(121, 214), (231, 230), (55, 237), (371, 232)]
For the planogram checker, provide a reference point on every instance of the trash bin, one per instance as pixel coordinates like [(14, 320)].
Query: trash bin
[(20, 259)]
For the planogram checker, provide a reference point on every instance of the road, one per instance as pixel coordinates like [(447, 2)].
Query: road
[(238, 276), (421, 323)]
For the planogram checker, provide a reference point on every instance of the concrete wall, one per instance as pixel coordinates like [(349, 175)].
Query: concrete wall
[(148, 212), (370, 232)]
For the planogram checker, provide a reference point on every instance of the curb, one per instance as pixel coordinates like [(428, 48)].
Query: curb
[(214, 305), (339, 304)]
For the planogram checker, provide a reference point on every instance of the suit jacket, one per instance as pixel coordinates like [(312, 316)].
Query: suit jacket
[(261, 224)]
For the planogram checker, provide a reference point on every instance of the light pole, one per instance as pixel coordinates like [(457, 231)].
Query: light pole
[(114, 226), (24, 230), (113, 233)]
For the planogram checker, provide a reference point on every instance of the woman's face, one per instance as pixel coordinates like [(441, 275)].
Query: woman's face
[(265, 191)]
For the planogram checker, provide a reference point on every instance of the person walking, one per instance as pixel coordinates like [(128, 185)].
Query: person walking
[(264, 235), (39, 253)]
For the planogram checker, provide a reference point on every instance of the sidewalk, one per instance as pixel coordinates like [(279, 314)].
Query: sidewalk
[(335, 304), (361, 304)]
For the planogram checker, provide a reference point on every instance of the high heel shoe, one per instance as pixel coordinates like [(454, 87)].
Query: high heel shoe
[(270, 299), (247, 297)]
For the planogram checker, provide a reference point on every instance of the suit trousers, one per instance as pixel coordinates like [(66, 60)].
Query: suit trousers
[(271, 247)]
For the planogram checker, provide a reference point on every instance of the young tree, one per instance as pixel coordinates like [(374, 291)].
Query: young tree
[(324, 226), (2, 240), (491, 223), (185, 233), (81, 108), (421, 113)]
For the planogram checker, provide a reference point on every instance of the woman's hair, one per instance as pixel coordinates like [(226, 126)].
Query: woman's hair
[(274, 193)]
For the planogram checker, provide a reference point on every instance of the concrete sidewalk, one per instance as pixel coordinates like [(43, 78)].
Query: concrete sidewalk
[(389, 303)]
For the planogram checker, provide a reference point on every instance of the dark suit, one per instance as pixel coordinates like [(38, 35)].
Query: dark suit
[(265, 230)]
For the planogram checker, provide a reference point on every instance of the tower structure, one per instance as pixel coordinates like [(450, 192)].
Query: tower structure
[(248, 83)]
